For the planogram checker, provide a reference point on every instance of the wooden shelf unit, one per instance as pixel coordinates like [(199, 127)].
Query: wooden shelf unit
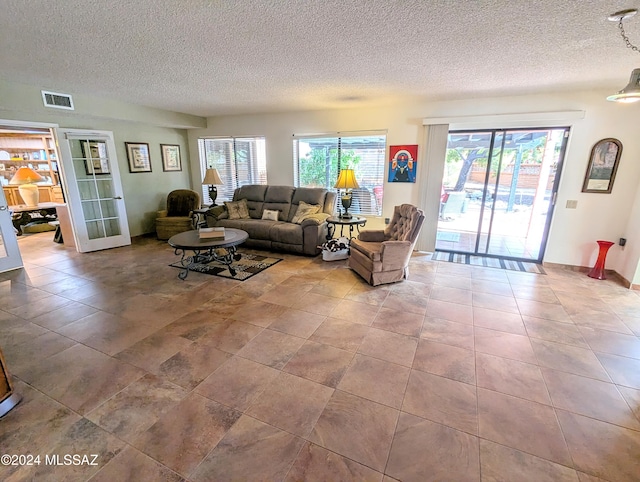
[(37, 151)]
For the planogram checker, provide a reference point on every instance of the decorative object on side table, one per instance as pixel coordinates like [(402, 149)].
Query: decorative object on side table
[(597, 271), (603, 164), (26, 177), (212, 178), (171, 157), (138, 156), (347, 181)]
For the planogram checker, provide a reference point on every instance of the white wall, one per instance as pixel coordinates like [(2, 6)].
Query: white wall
[(144, 193), (573, 231)]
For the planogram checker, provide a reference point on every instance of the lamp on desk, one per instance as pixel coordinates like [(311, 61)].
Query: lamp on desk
[(26, 177), (212, 178), (347, 181)]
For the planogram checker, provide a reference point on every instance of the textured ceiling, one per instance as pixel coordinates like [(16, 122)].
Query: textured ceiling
[(243, 56)]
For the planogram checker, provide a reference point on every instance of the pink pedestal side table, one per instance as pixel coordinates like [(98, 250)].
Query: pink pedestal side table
[(597, 271)]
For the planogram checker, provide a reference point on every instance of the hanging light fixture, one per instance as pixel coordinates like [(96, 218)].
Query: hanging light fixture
[(631, 93)]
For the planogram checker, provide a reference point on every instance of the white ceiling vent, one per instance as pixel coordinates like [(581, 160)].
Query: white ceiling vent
[(56, 100)]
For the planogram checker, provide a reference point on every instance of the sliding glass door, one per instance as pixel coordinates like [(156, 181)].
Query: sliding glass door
[(498, 191)]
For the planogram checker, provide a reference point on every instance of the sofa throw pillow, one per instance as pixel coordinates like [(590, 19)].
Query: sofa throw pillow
[(237, 209), (305, 210), (270, 215)]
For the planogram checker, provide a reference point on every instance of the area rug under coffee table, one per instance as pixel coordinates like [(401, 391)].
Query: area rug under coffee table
[(246, 267)]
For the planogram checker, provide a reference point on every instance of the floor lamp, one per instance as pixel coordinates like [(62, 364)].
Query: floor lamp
[(211, 177), (347, 181)]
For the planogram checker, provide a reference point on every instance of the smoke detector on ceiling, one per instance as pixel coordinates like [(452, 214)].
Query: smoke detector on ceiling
[(57, 100)]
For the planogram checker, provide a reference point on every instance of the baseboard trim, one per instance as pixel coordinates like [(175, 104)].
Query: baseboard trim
[(585, 269)]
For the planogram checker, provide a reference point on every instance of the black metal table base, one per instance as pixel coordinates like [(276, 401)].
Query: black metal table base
[(224, 256)]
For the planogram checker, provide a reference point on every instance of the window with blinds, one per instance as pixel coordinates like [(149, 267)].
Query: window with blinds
[(318, 160), (239, 161)]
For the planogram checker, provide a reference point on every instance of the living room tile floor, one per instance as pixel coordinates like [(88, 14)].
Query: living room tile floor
[(304, 372)]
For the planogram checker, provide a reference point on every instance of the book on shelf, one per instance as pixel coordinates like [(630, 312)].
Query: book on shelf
[(211, 233)]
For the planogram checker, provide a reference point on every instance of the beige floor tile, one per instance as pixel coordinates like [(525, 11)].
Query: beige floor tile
[(237, 382), (623, 371), (601, 449), (315, 303), (356, 428), (452, 455), (316, 464), (376, 380), (229, 335), (488, 286), (451, 295), (445, 360), (297, 323), (137, 407), (632, 396), (507, 345), (555, 331), (184, 435), (251, 450), (537, 309), (589, 397), (442, 400), (498, 320), (320, 363), (291, 403), (511, 377), (59, 317), (498, 462), (272, 348), (340, 333), (495, 302), (82, 378), (354, 311), (571, 359), (131, 464), (606, 341), (389, 346), (450, 311), (22, 357), (401, 322), (521, 424), (448, 332), (404, 302), (190, 366), (150, 352)]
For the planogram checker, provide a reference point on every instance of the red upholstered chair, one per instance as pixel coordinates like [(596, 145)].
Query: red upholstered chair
[(383, 256)]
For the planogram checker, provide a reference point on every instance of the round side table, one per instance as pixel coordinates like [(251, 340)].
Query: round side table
[(353, 222)]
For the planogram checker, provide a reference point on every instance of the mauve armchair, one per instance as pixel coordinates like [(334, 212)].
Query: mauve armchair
[(382, 256)]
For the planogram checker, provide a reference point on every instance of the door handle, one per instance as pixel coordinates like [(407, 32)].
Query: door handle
[(3, 208), (117, 197)]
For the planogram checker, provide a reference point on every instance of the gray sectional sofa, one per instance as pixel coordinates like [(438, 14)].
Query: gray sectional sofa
[(283, 234)]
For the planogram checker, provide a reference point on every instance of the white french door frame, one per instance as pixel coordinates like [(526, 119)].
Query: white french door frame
[(84, 241), (10, 257)]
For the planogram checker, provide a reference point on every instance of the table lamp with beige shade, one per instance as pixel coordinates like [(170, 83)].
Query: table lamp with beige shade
[(347, 181), (212, 178), (26, 178)]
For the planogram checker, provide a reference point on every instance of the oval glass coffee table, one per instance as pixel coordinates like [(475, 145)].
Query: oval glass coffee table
[(222, 250)]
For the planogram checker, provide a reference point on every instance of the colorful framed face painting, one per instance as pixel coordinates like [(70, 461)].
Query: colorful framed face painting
[(403, 163)]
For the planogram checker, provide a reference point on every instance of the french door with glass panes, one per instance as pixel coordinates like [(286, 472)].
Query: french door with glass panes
[(94, 192), (9, 252)]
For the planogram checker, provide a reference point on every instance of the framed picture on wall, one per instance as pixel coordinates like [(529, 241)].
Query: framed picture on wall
[(603, 164), (95, 157), (171, 157), (402, 163), (138, 156)]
